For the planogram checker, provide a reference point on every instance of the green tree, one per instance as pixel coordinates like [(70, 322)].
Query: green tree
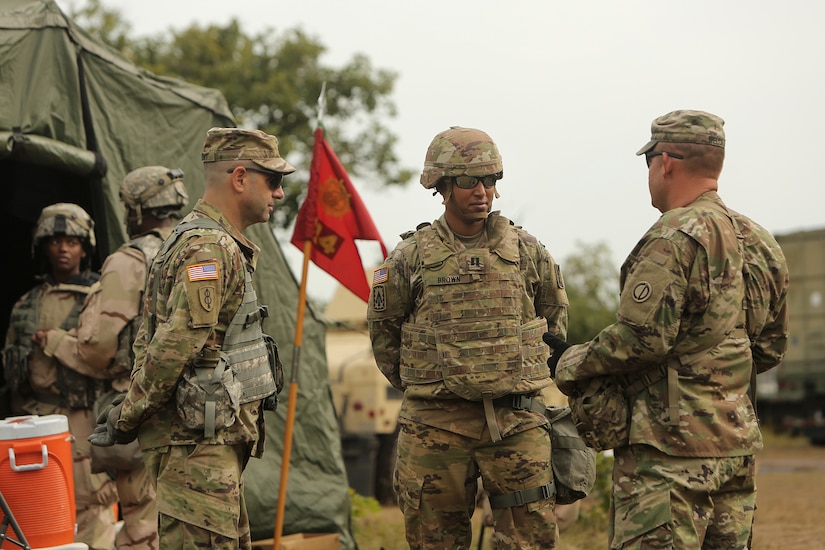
[(591, 281), (272, 81)]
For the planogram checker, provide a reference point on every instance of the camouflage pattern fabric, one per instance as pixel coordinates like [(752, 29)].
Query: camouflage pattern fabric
[(242, 144), (192, 315), (458, 152), (64, 218), (660, 501), (49, 390), (437, 490), (686, 126), (682, 295), (766, 294), (106, 325), (445, 444), (200, 495), (153, 187)]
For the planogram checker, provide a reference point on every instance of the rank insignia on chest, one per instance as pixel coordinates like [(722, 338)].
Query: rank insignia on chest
[(475, 263)]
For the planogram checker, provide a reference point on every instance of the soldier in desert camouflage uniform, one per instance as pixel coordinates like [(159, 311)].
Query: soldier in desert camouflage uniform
[(202, 369), (154, 197), (685, 478), (455, 316), (44, 383)]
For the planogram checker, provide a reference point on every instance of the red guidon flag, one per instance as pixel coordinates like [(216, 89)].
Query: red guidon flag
[(332, 217)]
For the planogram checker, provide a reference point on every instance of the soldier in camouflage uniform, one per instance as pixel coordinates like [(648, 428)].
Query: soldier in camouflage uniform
[(687, 315), (43, 383), (154, 197), (455, 315), (202, 369)]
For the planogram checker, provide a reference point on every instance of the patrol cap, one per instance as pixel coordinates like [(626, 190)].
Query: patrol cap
[(241, 144), (686, 126)]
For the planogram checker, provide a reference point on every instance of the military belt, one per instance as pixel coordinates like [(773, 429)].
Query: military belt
[(521, 402), (526, 496)]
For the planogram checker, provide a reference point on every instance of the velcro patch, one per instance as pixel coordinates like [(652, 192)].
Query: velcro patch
[(203, 272), (380, 275)]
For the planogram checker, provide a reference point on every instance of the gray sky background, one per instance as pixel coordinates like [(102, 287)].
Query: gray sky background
[(567, 90)]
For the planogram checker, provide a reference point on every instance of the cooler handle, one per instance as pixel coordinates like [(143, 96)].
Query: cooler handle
[(28, 467)]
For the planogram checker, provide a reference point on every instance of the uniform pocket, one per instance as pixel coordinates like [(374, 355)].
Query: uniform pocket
[(642, 513), (407, 485)]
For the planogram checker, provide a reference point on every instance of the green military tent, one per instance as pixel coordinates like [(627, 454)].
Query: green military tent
[(75, 117)]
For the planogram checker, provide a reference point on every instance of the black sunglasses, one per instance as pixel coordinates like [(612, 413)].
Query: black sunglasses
[(470, 182), (274, 179), (649, 155)]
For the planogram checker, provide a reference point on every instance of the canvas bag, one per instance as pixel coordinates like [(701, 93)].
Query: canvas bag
[(574, 463)]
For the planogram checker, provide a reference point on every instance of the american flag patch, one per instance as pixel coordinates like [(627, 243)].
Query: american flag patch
[(380, 275), (203, 272)]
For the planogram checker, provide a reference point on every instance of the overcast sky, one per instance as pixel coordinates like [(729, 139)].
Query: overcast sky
[(568, 90)]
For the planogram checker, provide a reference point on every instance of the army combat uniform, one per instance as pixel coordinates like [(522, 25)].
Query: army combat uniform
[(456, 326), (694, 432), (200, 285), (107, 328), (45, 386)]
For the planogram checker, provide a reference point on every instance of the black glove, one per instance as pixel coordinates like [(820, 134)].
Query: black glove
[(106, 434), (558, 347)]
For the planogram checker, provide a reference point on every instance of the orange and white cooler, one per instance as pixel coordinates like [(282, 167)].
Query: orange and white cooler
[(36, 479)]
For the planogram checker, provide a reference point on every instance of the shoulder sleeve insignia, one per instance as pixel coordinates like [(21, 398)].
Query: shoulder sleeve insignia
[(202, 272), (380, 275)]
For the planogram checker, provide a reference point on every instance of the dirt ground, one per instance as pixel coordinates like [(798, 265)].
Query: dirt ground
[(790, 516), (790, 481)]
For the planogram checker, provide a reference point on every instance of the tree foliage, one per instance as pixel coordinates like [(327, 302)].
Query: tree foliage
[(272, 81), (591, 281)]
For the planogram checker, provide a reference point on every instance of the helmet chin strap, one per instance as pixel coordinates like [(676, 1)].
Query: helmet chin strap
[(448, 192)]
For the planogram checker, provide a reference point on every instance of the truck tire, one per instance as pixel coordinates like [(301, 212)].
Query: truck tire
[(384, 468)]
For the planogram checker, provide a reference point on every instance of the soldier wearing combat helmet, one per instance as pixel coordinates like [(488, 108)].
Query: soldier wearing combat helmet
[(154, 197), (455, 316), (204, 372), (702, 307), (67, 219), (45, 383)]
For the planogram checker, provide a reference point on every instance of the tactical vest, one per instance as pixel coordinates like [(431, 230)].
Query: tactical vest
[(245, 353), (471, 330), (149, 245), (76, 390)]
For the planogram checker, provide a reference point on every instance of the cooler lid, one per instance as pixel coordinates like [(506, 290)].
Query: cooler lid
[(23, 427)]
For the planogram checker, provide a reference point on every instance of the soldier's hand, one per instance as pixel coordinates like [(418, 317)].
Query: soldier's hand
[(558, 347), (106, 433)]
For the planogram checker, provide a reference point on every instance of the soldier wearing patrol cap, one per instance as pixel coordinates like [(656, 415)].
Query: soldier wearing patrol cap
[(154, 197), (43, 383), (456, 315), (203, 370), (703, 288)]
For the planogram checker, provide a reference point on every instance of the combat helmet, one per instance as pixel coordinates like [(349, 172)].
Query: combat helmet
[(64, 218), (460, 152), (154, 187)]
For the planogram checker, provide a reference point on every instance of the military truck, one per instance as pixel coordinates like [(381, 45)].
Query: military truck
[(797, 402), (367, 405)]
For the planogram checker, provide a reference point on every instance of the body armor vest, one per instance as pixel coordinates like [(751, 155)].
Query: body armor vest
[(149, 245), (245, 365), (471, 330), (76, 390)]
